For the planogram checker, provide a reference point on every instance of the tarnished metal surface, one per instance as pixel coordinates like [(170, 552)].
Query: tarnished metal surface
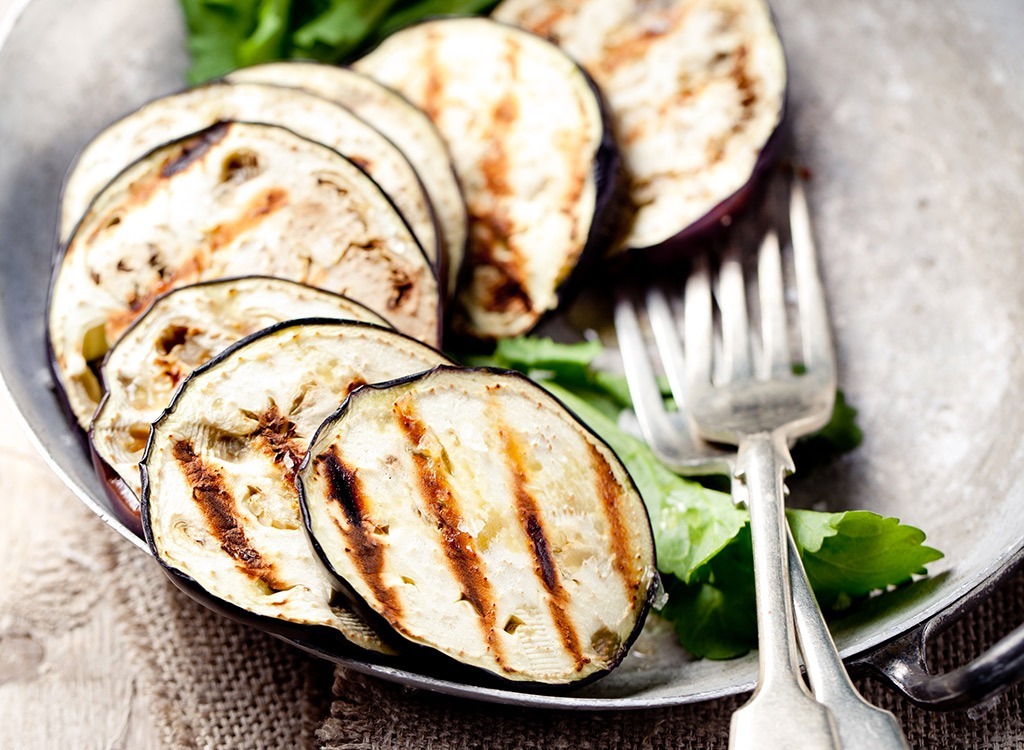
[(908, 117)]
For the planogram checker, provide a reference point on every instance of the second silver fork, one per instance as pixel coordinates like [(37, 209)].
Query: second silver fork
[(836, 704)]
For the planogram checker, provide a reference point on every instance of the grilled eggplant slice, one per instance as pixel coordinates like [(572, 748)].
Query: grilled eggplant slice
[(696, 89), (401, 122), (219, 504), (180, 331), (318, 119), (473, 512), (234, 199), (527, 135)]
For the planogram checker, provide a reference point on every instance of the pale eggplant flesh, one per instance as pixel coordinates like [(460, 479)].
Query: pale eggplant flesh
[(480, 518), (696, 91), (181, 330), (528, 138), (237, 198), (401, 122), (219, 504), (177, 115)]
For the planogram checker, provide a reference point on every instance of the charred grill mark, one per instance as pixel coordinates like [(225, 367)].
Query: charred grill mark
[(173, 337), (402, 287), (545, 25), (459, 547), (263, 206), (192, 150), (240, 166), (189, 270), (495, 165), (218, 507), (745, 85), (356, 383), (497, 277), (608, 490), (528, 512), (364, 551), (278, 435), (433, 90), (634, 45)]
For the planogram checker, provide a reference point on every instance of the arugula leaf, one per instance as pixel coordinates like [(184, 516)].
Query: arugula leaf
[(339, 30), (227, 34), (216, 31), (854, 553), (847, 556), (716, 618)]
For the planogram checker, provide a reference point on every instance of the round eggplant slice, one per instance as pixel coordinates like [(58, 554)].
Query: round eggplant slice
[(219, 503), (400, 121), (234, 199), (180, 331), (696, 90), (479, 517), (311, 116), (526, 131)]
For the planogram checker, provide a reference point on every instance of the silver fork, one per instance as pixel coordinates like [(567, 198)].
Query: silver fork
[(758, 403)]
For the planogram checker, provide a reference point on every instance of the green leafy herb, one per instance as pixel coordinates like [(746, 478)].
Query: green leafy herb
[(702, 539), (227, 34)]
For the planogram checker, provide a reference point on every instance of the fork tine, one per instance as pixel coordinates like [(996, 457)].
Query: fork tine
[(640, 377), (669, 341), (815, 332), (772, 300), (697, 324), (732, 305)]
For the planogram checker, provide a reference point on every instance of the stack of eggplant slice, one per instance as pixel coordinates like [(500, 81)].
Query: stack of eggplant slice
[(293, 444), (181, 330)]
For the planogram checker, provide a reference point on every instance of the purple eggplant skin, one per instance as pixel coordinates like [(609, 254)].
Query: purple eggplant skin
[(123, 503), (715, 224), (428, 658)]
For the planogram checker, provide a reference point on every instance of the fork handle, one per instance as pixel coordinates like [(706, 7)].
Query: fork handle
[(861, 725), (781, 713)]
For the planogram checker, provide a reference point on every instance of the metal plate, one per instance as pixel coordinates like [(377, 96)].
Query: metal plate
[(908, 116)]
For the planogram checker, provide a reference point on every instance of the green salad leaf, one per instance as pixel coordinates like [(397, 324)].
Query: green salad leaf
[(227, 34), (702, 539)]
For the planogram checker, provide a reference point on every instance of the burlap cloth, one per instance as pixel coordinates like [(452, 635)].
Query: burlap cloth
[(209, 683)]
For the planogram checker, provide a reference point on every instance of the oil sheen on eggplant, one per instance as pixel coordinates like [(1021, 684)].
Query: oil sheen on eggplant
[(480, 518), (527, 134), (178, 115), (696, 90), (401, 122), (181, 330), (235, 199), (219, 502)]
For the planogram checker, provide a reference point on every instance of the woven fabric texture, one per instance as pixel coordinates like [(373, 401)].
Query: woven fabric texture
[(367, 713)]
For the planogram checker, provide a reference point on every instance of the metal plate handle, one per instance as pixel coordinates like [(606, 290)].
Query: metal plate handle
[(903, 664)]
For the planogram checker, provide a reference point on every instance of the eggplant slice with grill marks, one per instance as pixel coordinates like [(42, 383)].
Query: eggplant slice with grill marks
[(178, 115), (181, 330), (696, 89), (220, 508), (479, 517), (189, 212), (401, 122), (527, 134)]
